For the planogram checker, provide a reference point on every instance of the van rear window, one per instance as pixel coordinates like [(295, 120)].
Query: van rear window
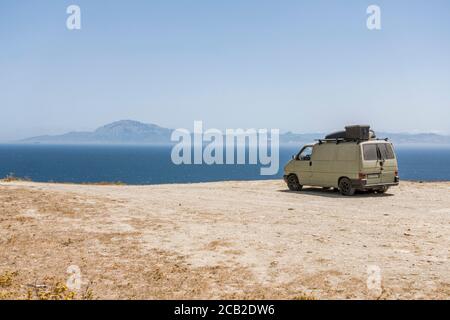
[(386, 151), (370, 152)]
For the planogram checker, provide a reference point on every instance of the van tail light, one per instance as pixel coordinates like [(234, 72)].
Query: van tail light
[(362, 176)]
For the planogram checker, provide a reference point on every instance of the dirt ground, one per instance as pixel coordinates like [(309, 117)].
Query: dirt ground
[(238, 240)]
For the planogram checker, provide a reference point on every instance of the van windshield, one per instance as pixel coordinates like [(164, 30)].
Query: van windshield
[(306, 153), (378, 151)]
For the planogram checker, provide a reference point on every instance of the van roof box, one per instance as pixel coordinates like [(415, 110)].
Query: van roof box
[(352, 133), (359, 132), (336, 135)]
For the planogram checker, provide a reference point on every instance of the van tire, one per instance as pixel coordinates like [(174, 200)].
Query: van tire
[(345, 187), (383, 189), (293, 184)]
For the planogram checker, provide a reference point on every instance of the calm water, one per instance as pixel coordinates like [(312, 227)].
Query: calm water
[(152, 165)]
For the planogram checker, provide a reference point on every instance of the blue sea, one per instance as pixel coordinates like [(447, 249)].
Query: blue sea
[(153, 165)]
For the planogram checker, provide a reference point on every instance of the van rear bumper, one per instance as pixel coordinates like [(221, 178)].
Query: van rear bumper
[(362, 184)]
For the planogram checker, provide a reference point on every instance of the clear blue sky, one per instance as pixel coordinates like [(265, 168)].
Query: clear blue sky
[(295, 65)]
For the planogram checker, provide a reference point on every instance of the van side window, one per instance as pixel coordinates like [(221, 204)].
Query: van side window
[(370, 152), (305, 154), (386, 151)]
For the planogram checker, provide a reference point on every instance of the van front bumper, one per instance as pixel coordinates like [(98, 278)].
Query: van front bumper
[(362, 184)]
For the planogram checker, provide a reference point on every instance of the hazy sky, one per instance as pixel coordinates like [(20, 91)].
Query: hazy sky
[(295, 65)]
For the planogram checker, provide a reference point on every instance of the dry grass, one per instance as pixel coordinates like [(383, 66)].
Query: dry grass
[(304, 297), (12, 289), (106, 183), (6, 279), (58, 291), (12, 178)]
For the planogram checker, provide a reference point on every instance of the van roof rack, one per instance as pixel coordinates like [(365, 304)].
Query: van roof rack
[(339, 140)]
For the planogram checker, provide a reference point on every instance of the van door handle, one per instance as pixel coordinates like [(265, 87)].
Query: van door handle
[(310, 163)]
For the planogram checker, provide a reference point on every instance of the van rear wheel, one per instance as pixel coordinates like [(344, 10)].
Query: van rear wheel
[(345, 187), (383, 189), (293, 184)]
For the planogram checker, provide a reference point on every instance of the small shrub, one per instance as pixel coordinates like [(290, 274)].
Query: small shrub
[(9, 290), (106, 183), (12, 178), (58, 291), (6, 279), (303, 297)]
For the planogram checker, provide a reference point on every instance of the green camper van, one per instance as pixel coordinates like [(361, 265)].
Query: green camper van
[(348, 160)]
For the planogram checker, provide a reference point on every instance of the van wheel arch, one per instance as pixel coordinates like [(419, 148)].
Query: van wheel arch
[(345, 186), (293, 182), (339, 180)]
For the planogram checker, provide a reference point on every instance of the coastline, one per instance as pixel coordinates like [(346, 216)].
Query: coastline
[(121, 183), (145, 166)]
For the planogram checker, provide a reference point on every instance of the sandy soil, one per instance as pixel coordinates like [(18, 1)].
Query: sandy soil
[(228, 240)]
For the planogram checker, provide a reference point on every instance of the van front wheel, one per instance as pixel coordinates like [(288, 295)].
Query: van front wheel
[(293, 183), (345, 187)]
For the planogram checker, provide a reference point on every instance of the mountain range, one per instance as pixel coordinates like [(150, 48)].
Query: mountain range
[(135, 132), (119, 132)]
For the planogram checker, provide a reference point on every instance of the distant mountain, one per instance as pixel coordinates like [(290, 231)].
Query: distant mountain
[(134, 132), (396, 138), (416, 138), (299, 138), (119, 132)]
